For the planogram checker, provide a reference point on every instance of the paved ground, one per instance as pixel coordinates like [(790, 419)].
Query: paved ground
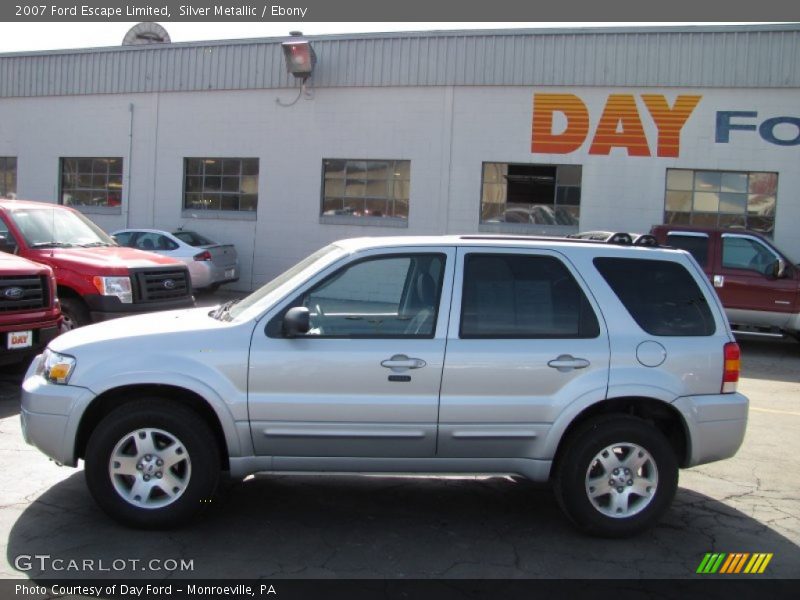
[(433, 527)]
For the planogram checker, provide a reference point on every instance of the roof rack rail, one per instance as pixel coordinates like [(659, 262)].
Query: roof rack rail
[(617, 237), (588, 237)]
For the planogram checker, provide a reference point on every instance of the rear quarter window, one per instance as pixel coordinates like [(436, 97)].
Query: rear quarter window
[(695, 245), (661, 296)]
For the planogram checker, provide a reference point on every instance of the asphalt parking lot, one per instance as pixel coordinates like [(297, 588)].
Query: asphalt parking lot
[(421, 527)]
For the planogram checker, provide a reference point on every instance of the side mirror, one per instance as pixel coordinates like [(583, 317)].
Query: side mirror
[(778, 270), (296, 322)]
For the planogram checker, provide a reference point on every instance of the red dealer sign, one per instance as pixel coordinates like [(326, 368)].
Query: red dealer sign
[(620, 124)]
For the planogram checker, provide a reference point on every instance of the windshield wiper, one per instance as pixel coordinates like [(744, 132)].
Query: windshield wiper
[(95, 245), (52, 245), (222, 312)]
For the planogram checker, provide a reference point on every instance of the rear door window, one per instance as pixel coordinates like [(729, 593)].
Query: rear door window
[(155, 242), (661, 296), (523, 296)]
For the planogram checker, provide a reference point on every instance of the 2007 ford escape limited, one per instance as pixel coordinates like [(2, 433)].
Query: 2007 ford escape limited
[(601, 368)]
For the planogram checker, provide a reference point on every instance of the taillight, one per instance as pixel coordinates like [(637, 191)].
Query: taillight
[(733, 364), (204, 255)]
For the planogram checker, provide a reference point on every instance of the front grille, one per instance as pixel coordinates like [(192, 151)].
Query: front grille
[(154, 285), (23, 292)]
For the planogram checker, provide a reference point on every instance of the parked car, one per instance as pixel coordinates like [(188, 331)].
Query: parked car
[(599, 367), (30, 315), (97, 280), (536, 214), (210, 264), (759, 285)]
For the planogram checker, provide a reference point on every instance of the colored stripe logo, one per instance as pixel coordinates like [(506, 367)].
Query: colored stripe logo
[(734, 563)]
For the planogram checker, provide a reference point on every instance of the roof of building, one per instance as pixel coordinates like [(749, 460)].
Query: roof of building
[(741, 56)]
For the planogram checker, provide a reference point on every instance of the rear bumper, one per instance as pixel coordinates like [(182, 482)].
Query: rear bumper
[(205, 274), (103, 308), (716, 425)]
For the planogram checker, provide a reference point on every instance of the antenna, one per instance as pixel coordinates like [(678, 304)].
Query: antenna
[(146, 33)]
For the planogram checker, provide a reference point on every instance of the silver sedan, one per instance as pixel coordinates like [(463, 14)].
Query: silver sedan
[(210, 264)]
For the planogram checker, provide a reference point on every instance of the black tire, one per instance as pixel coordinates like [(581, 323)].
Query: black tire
[(572, 477), (197, 472), (75, 312)]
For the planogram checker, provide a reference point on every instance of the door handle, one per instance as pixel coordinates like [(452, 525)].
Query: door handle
[(401, 362), (567, 362), (719, 281)]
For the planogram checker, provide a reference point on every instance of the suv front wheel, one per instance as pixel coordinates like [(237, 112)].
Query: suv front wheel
[(617, 476), (152, 464)]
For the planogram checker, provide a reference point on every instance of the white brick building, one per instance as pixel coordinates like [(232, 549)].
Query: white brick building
[(414, 134)]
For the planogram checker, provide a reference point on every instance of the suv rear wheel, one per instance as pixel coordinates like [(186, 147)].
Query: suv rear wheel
[(617, 476), (152, 464)]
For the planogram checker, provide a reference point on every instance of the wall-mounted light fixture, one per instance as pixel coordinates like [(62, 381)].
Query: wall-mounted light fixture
[(300, 61), (299, 55)]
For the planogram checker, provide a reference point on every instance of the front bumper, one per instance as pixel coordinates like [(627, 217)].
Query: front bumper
[(716, 425), (42, 335), (103, 308), (50, 415)]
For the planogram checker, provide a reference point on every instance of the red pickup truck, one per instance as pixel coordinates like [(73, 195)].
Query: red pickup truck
[(29, 311), (97, 279), (758, 284)]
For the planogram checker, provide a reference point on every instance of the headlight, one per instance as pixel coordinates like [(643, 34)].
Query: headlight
[(55, 367), (115, 286)]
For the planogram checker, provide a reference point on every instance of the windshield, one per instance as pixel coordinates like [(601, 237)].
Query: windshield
[(321, 257), (56, 227), (192, 238)]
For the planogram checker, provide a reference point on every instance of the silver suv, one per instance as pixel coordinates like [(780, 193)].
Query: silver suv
[(600, 368)]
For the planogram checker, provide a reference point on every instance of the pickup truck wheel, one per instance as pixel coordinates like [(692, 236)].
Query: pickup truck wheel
[(75, 313), (617, 476), (152, 464)]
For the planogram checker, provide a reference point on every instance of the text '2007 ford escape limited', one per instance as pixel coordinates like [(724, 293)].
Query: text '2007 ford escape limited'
[(601, 368)]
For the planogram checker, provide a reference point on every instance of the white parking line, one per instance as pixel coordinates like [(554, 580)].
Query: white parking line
[(779, 412)]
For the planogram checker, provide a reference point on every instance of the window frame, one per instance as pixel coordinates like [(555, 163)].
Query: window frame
[(366, 220), (5, 191), (586, 303), (745, 215), (510, 227), (220, 211), (90, 208)]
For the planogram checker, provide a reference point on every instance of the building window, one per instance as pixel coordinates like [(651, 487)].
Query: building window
[(220, 184), (531, 194), (726, 199), (95, 182), (365, 188), (8, 176)]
